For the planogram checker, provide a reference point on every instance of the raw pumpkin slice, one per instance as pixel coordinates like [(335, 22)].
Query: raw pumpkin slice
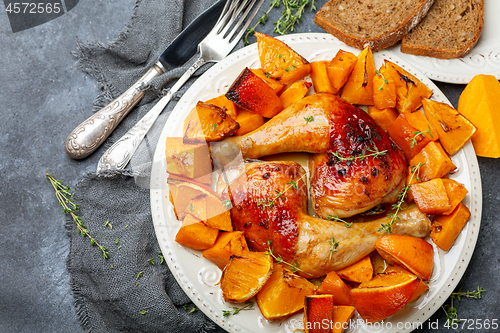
[(359, 87), (283, 294), (245, 275), (415, 254), (384, 295), (227, 244), (318, 310)]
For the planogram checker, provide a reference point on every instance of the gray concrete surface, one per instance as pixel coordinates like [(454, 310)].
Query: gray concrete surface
[(43, 97)]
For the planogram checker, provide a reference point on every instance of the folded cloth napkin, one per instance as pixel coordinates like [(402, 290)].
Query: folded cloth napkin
[(127, 292)]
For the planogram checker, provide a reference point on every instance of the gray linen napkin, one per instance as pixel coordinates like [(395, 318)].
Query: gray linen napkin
[(127, 293)]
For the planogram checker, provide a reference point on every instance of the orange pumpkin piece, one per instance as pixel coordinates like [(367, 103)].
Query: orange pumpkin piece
[(383, 117), (295, 93), (252, 93), (479, 103), (188, 160), (341, 317), (210, 124), (456, 193), (408, 138), (283, 294), (359, 87), (434, 161), (340, 68), (431, 196), (275, 85), (333, 285), (227, 244), (446, 228), (212, 211), (422, 286), (320, 79), (409, 89), (415, 254), (418, 120), (181, 191), (245, 275), (226, 104), (195, 234), (280, 61), (384, 295), (360, 271), (318, 313), (248, 121), (453, 128), (384, 90)]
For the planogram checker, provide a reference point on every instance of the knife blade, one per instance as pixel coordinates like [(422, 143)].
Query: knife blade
[(91, 133)]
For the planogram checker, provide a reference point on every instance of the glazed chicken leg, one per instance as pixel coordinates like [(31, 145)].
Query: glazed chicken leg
[(269, 204), (343, 183)]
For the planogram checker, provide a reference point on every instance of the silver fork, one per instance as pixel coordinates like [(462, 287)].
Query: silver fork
[(232, 24)]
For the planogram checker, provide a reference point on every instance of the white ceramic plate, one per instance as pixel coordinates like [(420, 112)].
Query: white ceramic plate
[(198, 276), (483, 59)]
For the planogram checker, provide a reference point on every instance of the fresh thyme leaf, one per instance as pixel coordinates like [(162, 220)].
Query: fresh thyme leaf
[(151, 261), (126, 226), (190, 307), (337, 219), (451, 312), (107, 224), (383, 79), (236, 310), (293, 267), (137, 284), (333, 246), (413, 140), (119, 247), (213, 127), (117, 240), (269, 203), (162, 258), (191, 207), (375, 153), (227, 204), (143, 312), (309, 119), (111, 267), (139, 275), (65, 198)]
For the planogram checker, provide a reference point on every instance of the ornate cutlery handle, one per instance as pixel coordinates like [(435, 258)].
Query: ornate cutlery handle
[(120, 153), (90, 134)]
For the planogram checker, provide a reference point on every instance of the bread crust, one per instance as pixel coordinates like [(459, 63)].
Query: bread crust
[(377, 43), (441, 53)]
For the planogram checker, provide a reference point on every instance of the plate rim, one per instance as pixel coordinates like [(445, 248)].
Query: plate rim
[(158, 186)]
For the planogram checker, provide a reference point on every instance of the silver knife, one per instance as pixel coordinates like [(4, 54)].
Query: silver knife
[(91, 133)]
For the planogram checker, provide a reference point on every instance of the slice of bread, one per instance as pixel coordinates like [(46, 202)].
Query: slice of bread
[(377, 23), (450, 30)]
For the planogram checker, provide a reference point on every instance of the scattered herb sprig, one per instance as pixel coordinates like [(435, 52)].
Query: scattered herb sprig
[(236, 310), (338, 219), (65, 198), (293, 267), (333, 246), (417, 133), (309, 119), (190, 307), (375, 153), (269, 203), (414, 170), (451, 312), (290, 16), (385, 81)]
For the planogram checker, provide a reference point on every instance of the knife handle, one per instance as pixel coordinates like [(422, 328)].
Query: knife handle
[(91, 133)]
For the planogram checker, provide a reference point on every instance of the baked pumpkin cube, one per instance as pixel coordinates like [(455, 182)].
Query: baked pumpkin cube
[(318, 310), (181, 191), (283, 294), (320, 79), (384, 90), (341, 316), (211, 210), (248, 121), (409, 89), (431, 196), (408, 138), (210, 124), (360, 271), (453, 128), (383, 117), (250, 92), (446, 228), (334, 285), (195, 234), (359, 86), (340, 68), (275, 85), (295, 93), (433, 161), (422, 286), (227, 244), (280, 61), (456, 193), (188, 160), (225, 104)]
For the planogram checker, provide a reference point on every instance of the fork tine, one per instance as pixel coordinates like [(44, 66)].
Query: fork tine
[(238, 31), (234, 17), (225, 16), (224, 11)]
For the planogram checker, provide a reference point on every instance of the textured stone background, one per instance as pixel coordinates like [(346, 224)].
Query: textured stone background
[(43, 97)]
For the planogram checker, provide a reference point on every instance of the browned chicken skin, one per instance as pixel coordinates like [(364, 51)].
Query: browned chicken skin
[(270, 204), (326, 125)]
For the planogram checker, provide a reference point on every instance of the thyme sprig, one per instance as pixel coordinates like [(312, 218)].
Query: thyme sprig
[(333, 246), (338, 219), (190, 307), (451, 312), (269, 203), (288, 18), (375, 153), (293, 267), (309, 119), (417, 133), (385, 81), (414, 170), (236, 310), (65, 198)]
